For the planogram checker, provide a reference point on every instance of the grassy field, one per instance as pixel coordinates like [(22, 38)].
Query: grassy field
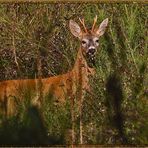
[(117, 111)]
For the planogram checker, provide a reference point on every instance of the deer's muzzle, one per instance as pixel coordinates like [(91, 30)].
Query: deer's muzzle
[(90, 57)]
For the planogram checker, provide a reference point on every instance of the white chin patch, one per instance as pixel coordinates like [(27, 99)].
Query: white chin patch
[(92, 56), (90, 59)]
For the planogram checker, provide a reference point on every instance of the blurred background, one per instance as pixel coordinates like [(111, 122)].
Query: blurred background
[(117, 111)]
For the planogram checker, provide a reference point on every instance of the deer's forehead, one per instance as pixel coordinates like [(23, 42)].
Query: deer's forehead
[(89, 38)]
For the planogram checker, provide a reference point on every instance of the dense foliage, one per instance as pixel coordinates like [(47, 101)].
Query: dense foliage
[(116, 111)]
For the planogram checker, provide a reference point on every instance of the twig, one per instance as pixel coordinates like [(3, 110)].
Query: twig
[(14, 53), (81, 102)]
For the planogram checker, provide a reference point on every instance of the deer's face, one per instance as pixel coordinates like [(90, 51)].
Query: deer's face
[(89, 45), (89, 38)]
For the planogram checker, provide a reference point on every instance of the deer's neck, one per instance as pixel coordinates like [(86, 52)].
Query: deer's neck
[(81, 65), (81, 71), (80, 61)]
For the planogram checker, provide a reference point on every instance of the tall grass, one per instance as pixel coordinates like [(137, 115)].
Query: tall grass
[(115, 112)]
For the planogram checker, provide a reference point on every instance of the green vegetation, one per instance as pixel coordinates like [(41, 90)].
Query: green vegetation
[(116, 111)]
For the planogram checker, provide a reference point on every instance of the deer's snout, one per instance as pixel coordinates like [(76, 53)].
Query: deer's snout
[(91, 50)]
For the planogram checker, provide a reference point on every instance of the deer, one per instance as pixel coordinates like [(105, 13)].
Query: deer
[(68, 85)]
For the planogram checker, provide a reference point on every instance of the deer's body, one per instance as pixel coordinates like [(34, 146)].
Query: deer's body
[(74, 82), (60, 86)]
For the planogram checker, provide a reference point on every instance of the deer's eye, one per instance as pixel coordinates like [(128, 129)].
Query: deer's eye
[(97, 41), (83, 42)]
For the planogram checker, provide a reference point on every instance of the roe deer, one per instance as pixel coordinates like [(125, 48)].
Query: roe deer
[(64, 85)]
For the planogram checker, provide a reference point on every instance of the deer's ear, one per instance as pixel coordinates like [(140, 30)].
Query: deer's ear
[(100, 31), (75, 29)]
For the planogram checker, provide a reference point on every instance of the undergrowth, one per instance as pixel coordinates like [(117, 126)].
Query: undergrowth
[(116, 111)]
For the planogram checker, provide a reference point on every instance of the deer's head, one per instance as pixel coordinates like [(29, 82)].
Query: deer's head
[(89, 38)]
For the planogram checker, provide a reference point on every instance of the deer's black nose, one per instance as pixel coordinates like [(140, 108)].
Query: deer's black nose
[(91, 50)]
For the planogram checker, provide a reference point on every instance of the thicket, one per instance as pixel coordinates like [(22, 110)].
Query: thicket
[(117, 111)]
